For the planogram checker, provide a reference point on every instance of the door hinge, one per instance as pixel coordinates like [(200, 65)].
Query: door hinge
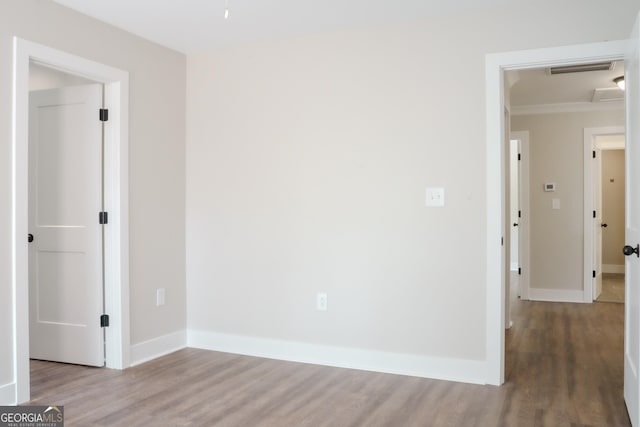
[(103, 218), (519, 156), (594, 154), (594, 274), (519, 214), (594, 214), (104, 114), (502, 241), (519, 271), (104, 321)]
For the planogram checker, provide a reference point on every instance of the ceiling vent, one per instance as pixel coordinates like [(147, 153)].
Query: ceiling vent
[(609, 94), (581, 68)]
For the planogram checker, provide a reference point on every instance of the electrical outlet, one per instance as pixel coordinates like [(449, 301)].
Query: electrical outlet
[(160, 297), (321, 301)]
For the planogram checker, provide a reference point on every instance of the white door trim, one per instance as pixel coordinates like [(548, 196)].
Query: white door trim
[(589, 203), (495, 65), (116, 251)]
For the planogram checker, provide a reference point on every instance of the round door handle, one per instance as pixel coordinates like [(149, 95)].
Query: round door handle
[(515, 224), (604, 225), (630, 250)]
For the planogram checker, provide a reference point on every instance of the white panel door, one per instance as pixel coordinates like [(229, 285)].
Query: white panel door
[(514, 184), (65, 198), (632, 230), (597, 224)]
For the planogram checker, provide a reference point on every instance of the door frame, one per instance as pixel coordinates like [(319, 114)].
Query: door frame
[(116, 234), (590, 135), (495, 66)]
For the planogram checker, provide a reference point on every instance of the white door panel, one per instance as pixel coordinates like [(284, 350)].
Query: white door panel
[(597, 229), (65, 196), (632, 229)]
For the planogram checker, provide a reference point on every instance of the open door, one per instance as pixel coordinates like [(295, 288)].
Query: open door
[(598, 223), (520, 210), (515, 204), (65, 249), (632, 229)]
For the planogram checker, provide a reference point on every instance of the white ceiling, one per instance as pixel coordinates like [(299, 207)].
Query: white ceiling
[(537, 87), (193, 26)]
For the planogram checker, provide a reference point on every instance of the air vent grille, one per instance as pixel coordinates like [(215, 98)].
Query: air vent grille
[(609, 94), (581, 68)]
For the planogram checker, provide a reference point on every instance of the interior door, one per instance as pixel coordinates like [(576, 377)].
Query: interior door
[(632, 229), (515, 207), (597, 224), (65, 198)]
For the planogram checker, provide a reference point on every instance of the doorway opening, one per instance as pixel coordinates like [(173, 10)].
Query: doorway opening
[(66, 269), (115, 198), (608, 191), (496, 65)]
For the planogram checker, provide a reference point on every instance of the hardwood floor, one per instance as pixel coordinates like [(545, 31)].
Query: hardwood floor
[(612, 288), (564, 368)]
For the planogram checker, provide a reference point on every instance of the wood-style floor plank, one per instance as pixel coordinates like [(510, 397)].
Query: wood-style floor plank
[(563, 368)]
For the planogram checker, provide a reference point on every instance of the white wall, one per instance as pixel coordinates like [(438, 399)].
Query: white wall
[(156, 156), (556, 153), (307, 162)]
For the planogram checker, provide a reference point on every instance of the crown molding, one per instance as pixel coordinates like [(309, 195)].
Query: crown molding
[(569, 107)]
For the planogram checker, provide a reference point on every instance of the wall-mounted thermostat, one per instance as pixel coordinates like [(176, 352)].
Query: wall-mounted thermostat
[(550, 186)]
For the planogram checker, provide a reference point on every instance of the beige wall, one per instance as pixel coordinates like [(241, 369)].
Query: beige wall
[(307, 166), (307, 163), (556, 155), (613, 207), (156, 155)]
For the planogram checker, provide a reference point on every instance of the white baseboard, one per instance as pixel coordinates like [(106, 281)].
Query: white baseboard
[(8, 394), (468, 371), (556, 295), (613, 268), (157, 347)]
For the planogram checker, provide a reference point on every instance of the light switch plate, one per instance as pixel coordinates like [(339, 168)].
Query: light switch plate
[(435, 197), (555, 203)]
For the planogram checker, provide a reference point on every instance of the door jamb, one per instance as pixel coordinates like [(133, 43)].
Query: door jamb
[(495, 66), (590, 135), (116, 249)]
